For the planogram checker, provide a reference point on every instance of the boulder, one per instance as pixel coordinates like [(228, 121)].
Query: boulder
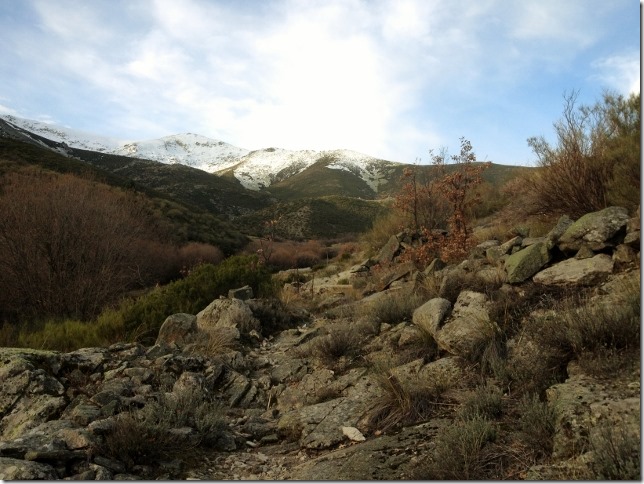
[(596, 230), (430, 316), (552, 238), (389, 250), (526, 262), (493, 254), (480, 250), (578, 272), (468, 327), (177, 329), (231, 313), (24, 470)]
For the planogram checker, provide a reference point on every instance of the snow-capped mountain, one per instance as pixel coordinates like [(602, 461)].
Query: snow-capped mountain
[(255, 170), (188, 149)]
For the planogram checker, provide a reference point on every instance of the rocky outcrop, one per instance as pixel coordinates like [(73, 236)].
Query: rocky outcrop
[(289, 414), (597, 230)]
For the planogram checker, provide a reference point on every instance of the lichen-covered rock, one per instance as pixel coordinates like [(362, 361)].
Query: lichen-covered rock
[(24, 470), (596, 230), (468, 326), (431, 315), (232, 313), (578, 272), (177, 329), (525, 263), (388, 251)]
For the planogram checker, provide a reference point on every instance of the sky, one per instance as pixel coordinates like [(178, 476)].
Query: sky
[(388, 78)]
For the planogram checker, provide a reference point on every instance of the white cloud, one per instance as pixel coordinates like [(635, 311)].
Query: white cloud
[(620, 72)]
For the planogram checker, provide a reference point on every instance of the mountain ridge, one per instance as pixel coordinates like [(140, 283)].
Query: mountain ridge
[(255, 170)]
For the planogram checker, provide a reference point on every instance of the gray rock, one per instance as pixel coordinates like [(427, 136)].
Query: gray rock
[(596, 229), (578, 272), (494, 254), (177, 329), (24, 470), (430, 316), (388, 251), (468, 326), (232, 313), (552, 238), (527, 262)]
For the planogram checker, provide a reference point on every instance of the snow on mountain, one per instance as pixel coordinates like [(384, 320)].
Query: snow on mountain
[(260, 169), (188, 149), (254, 169), (61, 134), (366, 167)]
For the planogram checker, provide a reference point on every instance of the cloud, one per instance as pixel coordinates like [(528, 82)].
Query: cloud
[(389, 78), (620, 72)]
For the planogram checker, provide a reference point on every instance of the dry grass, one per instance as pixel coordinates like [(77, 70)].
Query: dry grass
[(406, 403), (462, 452), (146, 435), (617, 452), (217, 341)]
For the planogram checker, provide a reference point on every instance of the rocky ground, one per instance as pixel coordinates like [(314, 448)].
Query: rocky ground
[(329, 396)]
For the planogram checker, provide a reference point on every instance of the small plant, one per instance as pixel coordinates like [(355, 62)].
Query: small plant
[(394, 308), (537, 424), (143, 436), (405, 403), (218, 340), (486, 402), (461, 452), (617, 453)]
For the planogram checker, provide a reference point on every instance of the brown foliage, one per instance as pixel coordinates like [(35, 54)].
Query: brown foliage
[(595, 161), (70, 246), (443, 202)]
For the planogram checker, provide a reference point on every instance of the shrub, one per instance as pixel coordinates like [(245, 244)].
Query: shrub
[(67, 335), (484, 402), (537, 422), (69, 246), (617, 452), (596, 158), (393, 308), (143, 436), (460, 452), (405, 403), (140, 319)]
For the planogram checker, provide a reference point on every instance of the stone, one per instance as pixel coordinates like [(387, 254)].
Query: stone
[(494, 254), (479, 251), (178, 329), (584, 252), (595, 229), (243, 293), (434, 266), (578, 272), (468, 326), (632, 239), (24, 470), (624, 255), (388, 251), (232, 313), (353, 434), (552, 238), (527, 262), (430, 316)]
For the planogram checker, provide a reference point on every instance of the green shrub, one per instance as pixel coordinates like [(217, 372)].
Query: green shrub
[(141, 318), (394, 308), (66, 335)]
